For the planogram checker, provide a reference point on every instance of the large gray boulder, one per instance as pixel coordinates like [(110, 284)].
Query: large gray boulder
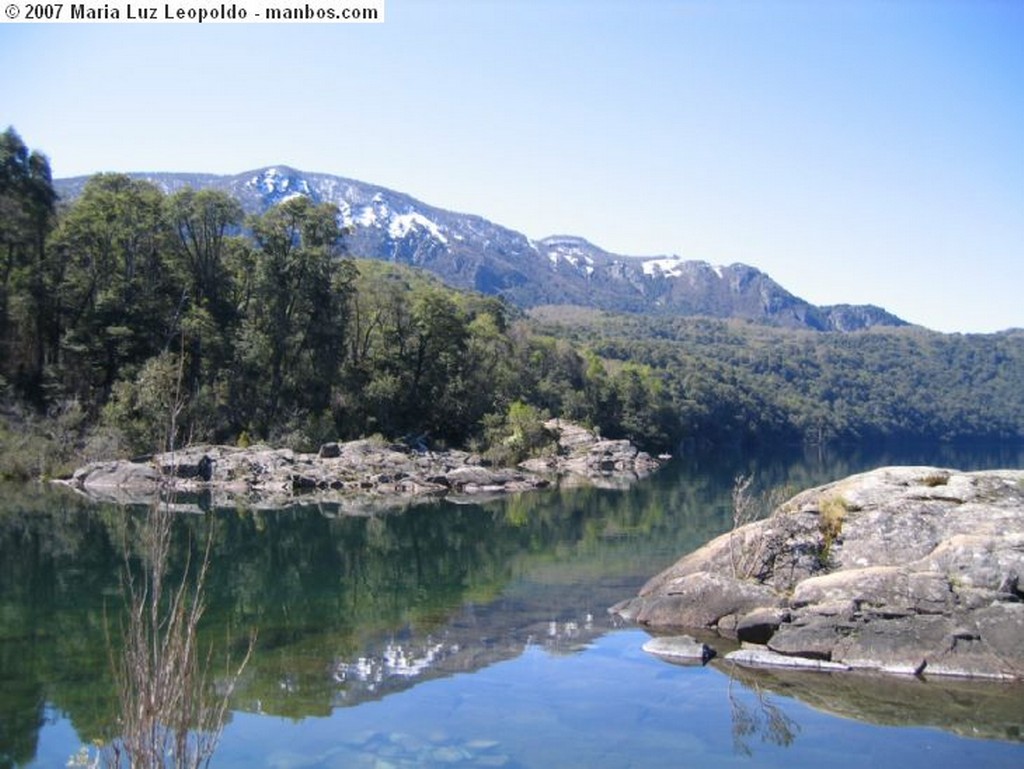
[(912, 570)]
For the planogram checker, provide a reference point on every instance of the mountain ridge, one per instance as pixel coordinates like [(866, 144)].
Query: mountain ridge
[(470, 252)]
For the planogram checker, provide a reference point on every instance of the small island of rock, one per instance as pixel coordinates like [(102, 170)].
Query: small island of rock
[(352, 477)]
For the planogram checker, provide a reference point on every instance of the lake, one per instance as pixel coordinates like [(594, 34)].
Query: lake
[(462, 635)]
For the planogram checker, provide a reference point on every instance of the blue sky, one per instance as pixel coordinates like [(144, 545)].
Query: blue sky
[(856, 151)]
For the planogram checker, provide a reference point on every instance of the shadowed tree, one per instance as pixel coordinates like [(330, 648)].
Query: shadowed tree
[(120, 303), (27, 311), (292, 340), (207, 245)]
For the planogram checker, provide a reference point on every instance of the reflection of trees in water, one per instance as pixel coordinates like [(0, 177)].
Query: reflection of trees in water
[(761, 719), (324, 589)]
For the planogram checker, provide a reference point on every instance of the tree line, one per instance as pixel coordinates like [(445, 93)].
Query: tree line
[(130, 317)]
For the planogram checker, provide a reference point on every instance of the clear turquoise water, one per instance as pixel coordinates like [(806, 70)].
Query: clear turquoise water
[(466, 635)]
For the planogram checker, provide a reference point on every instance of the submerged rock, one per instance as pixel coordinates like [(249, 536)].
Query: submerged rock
[(681, 648), (764, 658), (912, 570)]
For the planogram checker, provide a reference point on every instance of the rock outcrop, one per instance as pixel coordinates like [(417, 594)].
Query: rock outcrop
[(913, 570), (349, 477)]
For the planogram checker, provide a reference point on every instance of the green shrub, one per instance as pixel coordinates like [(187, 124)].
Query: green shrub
[(518, 435)]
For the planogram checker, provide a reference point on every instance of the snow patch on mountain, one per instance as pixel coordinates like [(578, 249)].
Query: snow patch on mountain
[(573, 251), (379, 213), (367, 217), (678, 267), (580, 262), (662, 267), (279, 185), (470, 252), (401, 224)]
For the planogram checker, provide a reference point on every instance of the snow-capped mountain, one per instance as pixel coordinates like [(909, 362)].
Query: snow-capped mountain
[(470, 252)]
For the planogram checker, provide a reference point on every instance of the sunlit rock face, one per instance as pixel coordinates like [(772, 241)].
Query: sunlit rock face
[(911, 570)]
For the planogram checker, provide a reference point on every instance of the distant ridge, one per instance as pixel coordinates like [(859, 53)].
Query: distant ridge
[(470, 252)]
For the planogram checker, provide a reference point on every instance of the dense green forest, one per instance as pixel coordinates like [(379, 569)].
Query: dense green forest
[(735, 382), (130, 318)]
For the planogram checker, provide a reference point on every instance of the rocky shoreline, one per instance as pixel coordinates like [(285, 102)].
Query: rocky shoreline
[(902, 570), (353, 477)]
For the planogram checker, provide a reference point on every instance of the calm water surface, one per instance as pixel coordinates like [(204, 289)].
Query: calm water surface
[(468, 635)]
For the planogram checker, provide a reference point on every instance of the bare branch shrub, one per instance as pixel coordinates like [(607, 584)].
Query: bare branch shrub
[(170, 714), (751, 553)]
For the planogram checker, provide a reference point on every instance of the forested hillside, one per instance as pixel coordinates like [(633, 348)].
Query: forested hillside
[(131, 318), (740, 382)]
